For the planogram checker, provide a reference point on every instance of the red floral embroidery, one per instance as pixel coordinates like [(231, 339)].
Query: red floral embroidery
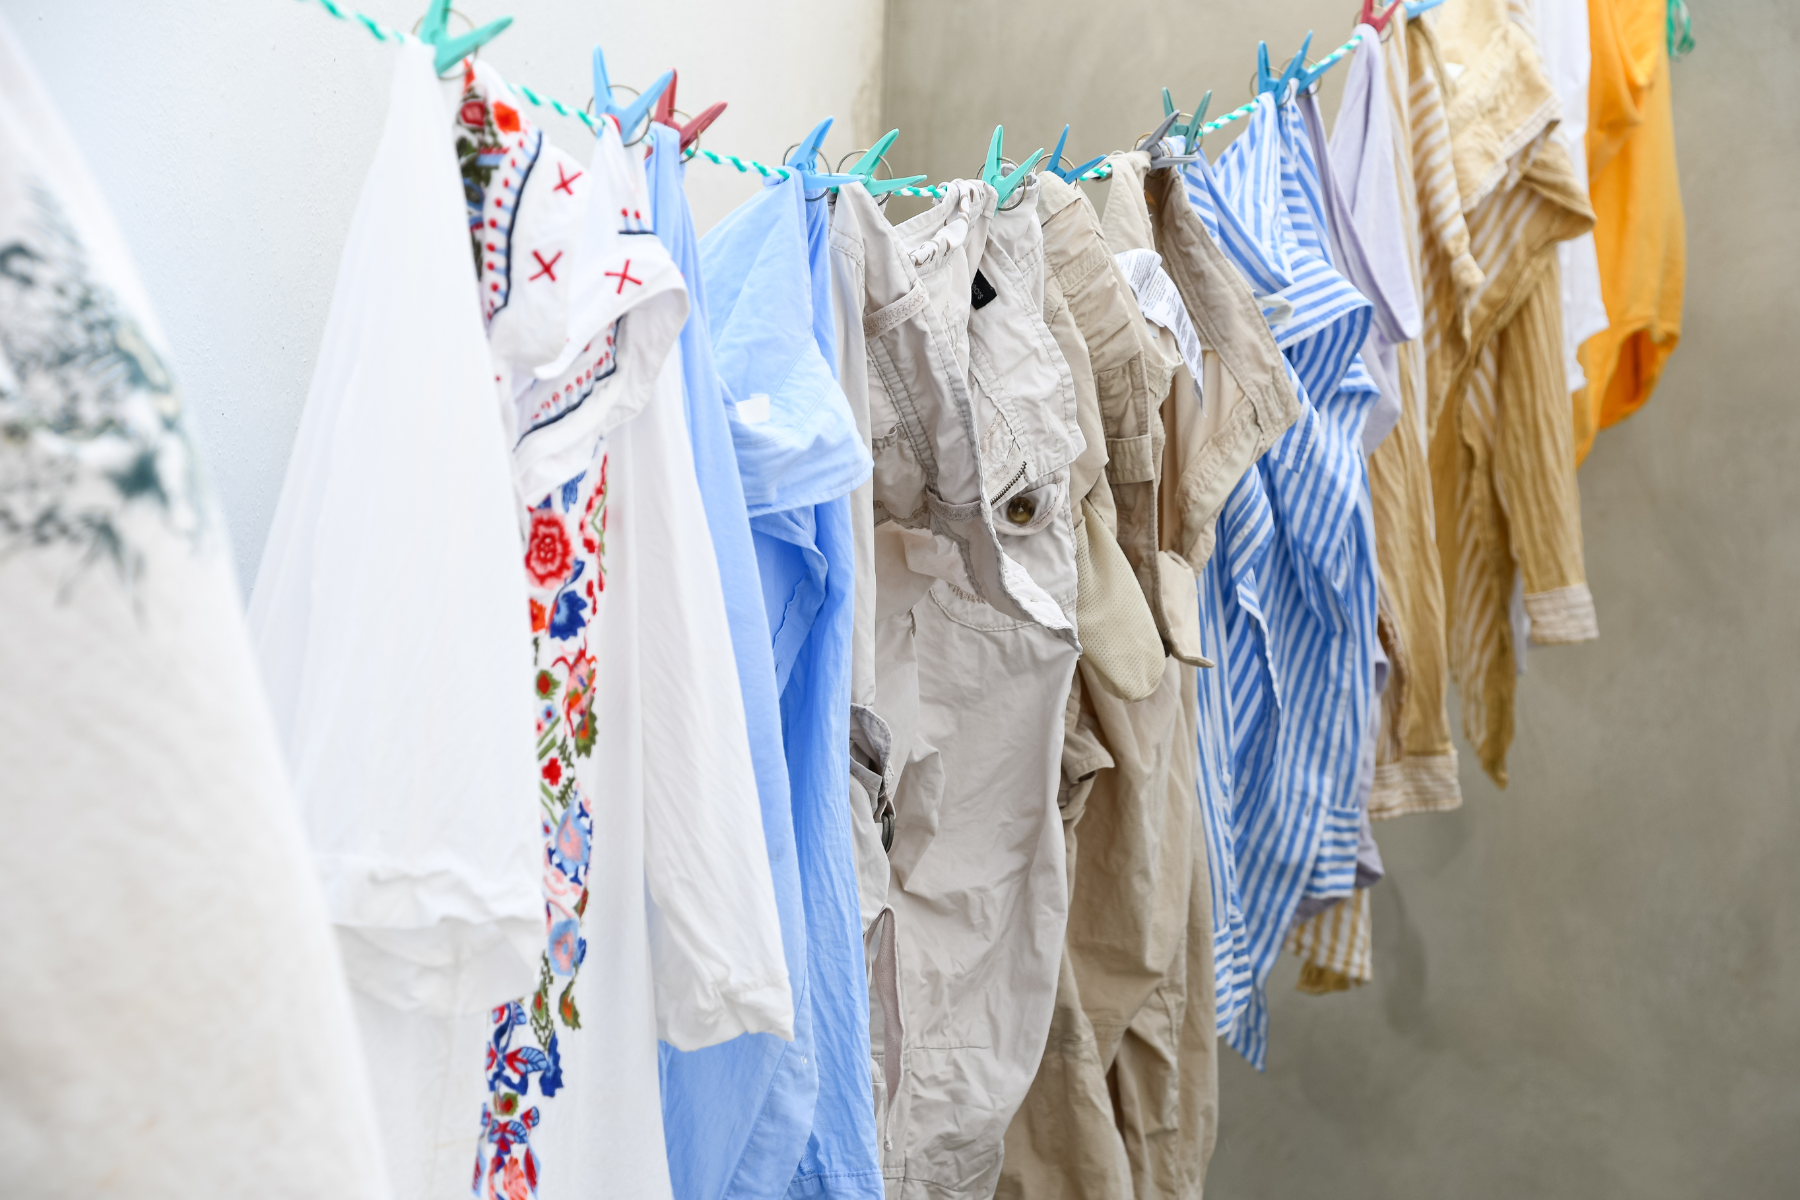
[(540, 617), (553, 772), (548, 555), (474, 117), (506, 117)]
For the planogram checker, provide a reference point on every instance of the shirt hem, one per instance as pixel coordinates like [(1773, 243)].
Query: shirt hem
[(1418, 784), (1562, 615)]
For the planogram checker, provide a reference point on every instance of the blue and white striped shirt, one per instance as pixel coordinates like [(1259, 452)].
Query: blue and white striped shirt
[(1288, 600)]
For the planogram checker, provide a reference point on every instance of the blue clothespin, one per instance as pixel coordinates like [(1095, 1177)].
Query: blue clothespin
[(632, 115), (865, 169), (1294, 72), (434, 31), (1416, 8), (805, 160), (992, 175), (1073, 173)]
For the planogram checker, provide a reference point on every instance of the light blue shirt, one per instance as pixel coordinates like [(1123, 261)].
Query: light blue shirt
[(736, 1117), (800, 455)]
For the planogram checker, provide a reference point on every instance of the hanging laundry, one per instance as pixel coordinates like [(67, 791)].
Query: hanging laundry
[(600, 465), (671, 766), (1640, 232), (870, 791), (1242, 412), (1335, 946), (422, 816), (1125, 948), (1065, 1133), (800, 455), (736, 1116), (885, 694), (1309, 580), (1120, 644), (975, 647), (1372, 155), (1503, 475), (1561, 30), (1247, 401), (177, 1013)]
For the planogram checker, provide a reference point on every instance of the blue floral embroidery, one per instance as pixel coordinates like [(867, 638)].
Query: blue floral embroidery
[(569, 617)]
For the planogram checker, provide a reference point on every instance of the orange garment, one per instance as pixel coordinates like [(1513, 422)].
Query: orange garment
[(1640, 233)]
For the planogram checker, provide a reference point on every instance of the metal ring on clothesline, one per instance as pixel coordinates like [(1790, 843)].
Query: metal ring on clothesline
[(466, 20), (693, 147), (1007, 167), (856, 154), (1311, 88), (880, 162), (681, 119), (589, 108)]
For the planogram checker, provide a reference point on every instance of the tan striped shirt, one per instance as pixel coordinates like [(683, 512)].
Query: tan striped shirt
[(1502, 451), (1415, 762)]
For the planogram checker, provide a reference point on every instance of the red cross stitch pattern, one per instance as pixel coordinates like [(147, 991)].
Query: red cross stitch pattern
[(624, 276), (563, 181), (549, 268)]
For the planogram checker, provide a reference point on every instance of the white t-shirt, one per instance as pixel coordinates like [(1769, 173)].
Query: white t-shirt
[(392, 622), (1562, 33), (177, 1020)]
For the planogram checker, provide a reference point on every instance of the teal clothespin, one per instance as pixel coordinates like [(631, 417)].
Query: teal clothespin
[(992, 175), (1417, 8), (1191, 131), (1294, 72), (632, 115), (434, 31), (1073, 173), (865, 169), (805, 160)]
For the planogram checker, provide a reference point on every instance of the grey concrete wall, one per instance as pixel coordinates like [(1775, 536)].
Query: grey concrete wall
[(1588, 985)]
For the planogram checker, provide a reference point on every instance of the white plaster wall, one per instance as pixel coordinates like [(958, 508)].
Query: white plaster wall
[(232, 137)]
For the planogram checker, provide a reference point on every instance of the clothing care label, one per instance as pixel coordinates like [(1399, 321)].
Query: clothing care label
[(755, 410), (1162, 305), (981, 292)]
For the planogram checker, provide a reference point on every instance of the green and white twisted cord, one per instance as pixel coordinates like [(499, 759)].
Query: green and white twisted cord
[(746, 165)]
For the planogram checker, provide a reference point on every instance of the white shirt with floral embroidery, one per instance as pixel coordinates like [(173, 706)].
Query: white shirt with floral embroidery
[(661, 917)]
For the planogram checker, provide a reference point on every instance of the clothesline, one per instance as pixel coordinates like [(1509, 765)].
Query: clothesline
[(746, 165)]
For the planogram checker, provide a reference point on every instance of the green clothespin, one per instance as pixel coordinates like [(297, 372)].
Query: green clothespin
[(435, 31), (995, 178), (1192, 130), (865, 169)]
